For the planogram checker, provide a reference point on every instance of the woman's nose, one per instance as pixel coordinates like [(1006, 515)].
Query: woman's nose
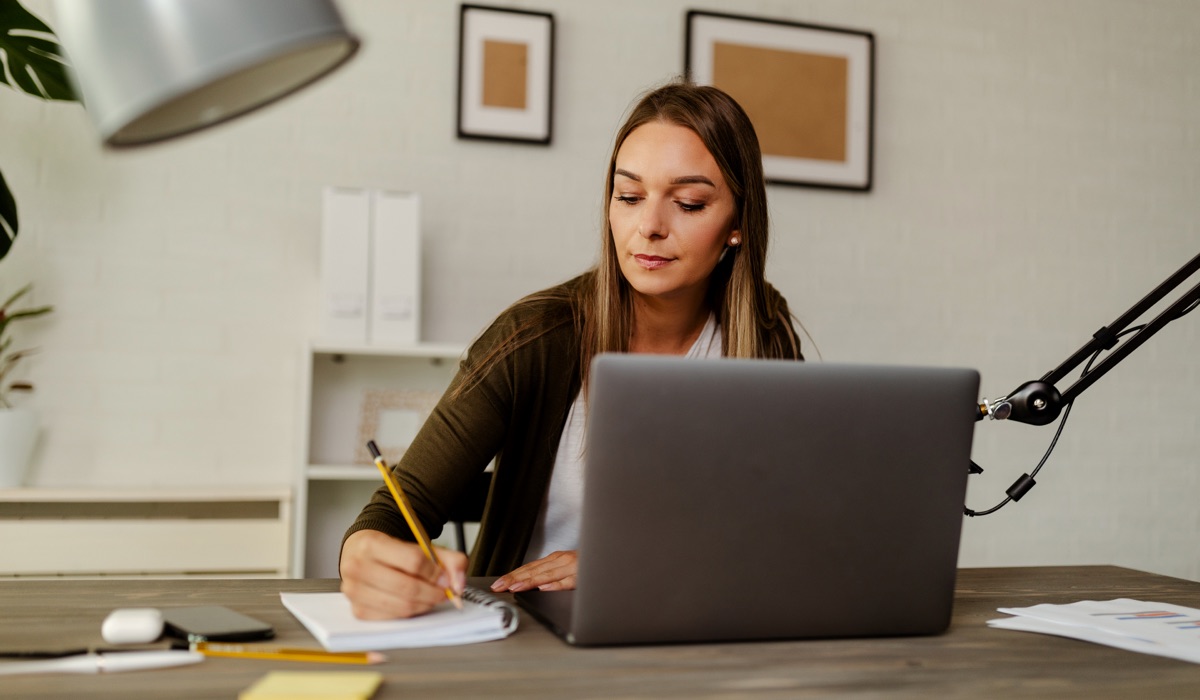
[(651, 224)]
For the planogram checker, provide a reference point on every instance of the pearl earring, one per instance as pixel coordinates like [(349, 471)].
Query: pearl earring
[(734, 241)]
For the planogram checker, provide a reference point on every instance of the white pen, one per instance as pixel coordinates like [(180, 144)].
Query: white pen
[(104, 663)]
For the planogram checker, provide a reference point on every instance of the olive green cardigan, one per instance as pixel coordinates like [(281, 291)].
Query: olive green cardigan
[(515, 414)]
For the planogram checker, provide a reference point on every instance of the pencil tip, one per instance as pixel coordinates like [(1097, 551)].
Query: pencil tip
[(374, 657)]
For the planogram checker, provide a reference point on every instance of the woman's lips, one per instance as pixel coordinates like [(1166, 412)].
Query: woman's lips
[(651, 262)]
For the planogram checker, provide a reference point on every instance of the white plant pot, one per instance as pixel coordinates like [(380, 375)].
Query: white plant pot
[(18, 433)]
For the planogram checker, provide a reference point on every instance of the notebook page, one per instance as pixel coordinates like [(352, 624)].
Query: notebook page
[(328, 617)]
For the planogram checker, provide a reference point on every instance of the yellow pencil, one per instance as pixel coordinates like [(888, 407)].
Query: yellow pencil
[(410, 517), (287, 654)]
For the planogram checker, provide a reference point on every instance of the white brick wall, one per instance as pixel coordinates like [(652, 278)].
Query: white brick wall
[(1037, 172)]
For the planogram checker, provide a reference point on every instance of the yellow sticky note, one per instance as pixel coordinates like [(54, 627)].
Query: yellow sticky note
[(314, 685)]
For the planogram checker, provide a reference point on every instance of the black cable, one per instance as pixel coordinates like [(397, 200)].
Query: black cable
[(1061, 425), (1027, 478), (975, 513)]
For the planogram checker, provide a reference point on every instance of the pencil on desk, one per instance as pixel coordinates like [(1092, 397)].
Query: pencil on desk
[(410, 517), (286, 654)]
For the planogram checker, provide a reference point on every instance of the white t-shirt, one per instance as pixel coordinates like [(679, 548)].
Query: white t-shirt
[(557, 527)]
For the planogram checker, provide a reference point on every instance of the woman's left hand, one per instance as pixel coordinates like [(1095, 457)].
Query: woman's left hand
[(554, 572)]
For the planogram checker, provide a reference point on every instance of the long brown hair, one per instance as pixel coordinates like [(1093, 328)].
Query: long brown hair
[(738, 290), (752, 314)]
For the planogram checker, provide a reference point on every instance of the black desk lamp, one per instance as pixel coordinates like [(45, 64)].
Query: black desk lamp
[(1040, 402)]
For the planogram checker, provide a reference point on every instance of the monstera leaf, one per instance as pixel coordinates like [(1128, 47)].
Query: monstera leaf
[(31, 61), (35, 61), (8, 218)]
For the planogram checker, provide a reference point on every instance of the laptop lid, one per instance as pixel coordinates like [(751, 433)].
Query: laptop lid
[(750, 499)]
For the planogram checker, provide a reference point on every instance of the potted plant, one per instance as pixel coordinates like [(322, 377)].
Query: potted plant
[(36, 66)]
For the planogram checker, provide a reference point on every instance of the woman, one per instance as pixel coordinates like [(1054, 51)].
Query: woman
[(681, 272)]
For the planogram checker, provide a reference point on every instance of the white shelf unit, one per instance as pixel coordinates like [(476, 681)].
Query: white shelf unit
[(145, 532), (330, 487)]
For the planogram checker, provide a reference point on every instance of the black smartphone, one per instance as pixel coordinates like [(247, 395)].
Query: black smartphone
[(213, 623)]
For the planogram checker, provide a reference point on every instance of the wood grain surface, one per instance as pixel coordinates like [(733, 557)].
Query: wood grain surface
[(969, 660)]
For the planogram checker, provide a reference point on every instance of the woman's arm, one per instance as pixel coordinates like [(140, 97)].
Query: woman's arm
[(384, 573)]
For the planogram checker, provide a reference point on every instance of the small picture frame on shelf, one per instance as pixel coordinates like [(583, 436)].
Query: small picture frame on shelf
[(505, 74), (808, 89), (392, 418)]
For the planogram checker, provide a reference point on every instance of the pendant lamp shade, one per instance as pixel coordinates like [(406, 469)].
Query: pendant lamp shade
[(149, 70)]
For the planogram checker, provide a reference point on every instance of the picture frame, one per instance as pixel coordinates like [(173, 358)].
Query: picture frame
[(505, 74), (391, 418), (809, 90)]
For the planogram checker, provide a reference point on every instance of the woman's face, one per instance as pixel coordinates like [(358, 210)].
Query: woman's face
[(671, 213)]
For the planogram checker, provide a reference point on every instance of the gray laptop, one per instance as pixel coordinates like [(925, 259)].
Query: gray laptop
[(751, 500)]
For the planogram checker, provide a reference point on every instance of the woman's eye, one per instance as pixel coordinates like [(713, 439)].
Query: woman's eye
[(626, 198), (691, 206)]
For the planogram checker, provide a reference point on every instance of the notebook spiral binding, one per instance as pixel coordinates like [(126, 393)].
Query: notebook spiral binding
[(486, 599)]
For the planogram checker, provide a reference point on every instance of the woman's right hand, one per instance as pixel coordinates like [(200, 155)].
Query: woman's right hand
[(386, 578)]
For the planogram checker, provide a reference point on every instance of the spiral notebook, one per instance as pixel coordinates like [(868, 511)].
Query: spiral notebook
[(755, 499), (328, 617)]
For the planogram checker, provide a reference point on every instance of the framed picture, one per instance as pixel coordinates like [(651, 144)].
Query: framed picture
[(808, 89), (505, 74), (392, 417)]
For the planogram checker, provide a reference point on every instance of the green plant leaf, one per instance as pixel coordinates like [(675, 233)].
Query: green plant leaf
[(8, 218), (8, 314), (13, 299), (31, 59), (9, 359)]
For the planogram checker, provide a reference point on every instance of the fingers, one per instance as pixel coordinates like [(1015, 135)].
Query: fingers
[(454, 569), (386, 578), (566, 583), (554, 572)]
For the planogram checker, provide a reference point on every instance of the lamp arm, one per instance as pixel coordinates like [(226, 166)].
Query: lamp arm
[(1040, 402)]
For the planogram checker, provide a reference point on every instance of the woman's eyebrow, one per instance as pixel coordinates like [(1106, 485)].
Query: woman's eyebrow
[(682, 180), (692, 180)]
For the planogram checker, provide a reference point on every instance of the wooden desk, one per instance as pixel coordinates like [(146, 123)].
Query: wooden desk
[(969, 660)]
